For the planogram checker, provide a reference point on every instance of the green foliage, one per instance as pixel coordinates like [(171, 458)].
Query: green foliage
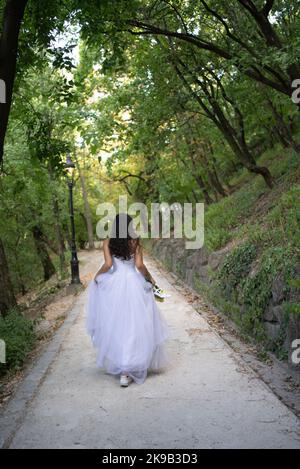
[(284, 219), (236, 267), (26, 196), (250, 322), (95, 79), (223, 219), (19, 337), (252, 288), (277, 345), (293, 307)]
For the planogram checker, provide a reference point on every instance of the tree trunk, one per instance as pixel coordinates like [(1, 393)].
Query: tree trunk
[(215, 183), (268, 32), (42, 252), (67, 234), (87, 210), (57, 225), (12, 18), (195, 196), (20, 284), (282, 128), (7, 297), (233, 137), (59, 235), (244, 155), (236, 140), (212, 172), (197, 176), (201, 184)]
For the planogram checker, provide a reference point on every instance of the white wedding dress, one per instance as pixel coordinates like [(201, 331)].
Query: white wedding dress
[(125, 323)]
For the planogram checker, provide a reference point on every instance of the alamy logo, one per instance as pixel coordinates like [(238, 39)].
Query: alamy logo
[(184, 220), (296, 92), (296, 353), (2, 351), (2, 92)]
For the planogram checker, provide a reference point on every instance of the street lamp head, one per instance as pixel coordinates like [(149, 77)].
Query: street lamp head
[(69, 166)]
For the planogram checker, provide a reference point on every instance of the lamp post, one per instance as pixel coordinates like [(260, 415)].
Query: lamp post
[(70, 167)]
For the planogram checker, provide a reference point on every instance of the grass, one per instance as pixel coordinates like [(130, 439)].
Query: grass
[(17, 333), (246, 210)]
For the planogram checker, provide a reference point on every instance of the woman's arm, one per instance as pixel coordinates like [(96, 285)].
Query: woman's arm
[(139, 263), (107, 259)]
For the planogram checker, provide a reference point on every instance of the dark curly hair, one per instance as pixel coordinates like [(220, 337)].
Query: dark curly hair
[(121, 243)]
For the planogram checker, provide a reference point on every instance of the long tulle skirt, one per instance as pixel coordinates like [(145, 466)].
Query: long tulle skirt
[(126, 325)]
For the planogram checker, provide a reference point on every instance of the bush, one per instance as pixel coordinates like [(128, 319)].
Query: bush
[(274, 261), (224, 218), (254, 291), (19, 337), (283, 220), (236, 266)]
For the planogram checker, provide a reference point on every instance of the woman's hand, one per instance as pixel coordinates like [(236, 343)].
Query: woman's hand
[(150, 279)]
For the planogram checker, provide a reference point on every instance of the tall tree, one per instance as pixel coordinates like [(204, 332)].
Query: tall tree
[(7, 297), (11, 22), (87, 208)]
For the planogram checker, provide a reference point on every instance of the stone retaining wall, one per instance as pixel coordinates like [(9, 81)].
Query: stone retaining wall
[(198, 268)]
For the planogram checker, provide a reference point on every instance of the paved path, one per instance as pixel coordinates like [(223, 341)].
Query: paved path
[(207, 398)]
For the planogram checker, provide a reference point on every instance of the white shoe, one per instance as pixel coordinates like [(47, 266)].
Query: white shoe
[(159, 292), (125, 380)]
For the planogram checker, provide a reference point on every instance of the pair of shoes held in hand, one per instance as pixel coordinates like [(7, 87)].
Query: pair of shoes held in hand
[(159, 292)]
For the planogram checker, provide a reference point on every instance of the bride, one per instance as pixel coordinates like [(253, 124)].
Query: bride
[(123, 319)]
